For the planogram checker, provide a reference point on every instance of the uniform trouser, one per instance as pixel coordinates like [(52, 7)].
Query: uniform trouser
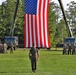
[(33, 64), (5, 50), (73, 51), (11, 50), (69, 51), (64, 51)]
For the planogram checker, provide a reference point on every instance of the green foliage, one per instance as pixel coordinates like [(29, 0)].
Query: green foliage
[(6, 15), (57, 27), (71, 16), (61, 32), (52, 24), (18, 63)]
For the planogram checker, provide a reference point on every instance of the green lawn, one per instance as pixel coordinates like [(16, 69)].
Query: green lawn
[(49, 63)]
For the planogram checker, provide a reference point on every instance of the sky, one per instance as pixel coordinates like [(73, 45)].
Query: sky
[(65, 2), (1, 1)]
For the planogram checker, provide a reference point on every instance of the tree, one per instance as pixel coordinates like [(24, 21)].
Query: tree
[(52, 23), (71, 15)]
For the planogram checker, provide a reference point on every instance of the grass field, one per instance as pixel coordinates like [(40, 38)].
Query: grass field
[(49, 63)]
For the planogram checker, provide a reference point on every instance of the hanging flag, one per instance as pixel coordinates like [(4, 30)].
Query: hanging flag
[(36, 23)]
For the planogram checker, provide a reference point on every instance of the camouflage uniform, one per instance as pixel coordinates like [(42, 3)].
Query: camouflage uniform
[(69, 49), (5, 48), (64, 48), (33, 55), (11, 46)]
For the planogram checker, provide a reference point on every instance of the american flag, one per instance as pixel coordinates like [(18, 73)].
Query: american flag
[(36, 23)]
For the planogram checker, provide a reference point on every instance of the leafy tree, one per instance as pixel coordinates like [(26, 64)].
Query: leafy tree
[(52, 23), (71, 15)]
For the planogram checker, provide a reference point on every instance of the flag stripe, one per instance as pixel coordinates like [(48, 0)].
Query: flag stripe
[(28, 31), (34, 29), (45, 23), (48, 38), (38, 23), (27, 35), (30, 24), (42, 22), (39, 14), (36, 26)]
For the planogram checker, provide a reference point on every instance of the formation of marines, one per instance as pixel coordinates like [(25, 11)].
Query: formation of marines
[(69, 49), (4, 48)]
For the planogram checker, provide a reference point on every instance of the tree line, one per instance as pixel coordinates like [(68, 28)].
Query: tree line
[(57, 27)]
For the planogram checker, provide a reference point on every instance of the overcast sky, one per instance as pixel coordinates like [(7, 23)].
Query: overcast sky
[(65, 2), (1, 1)]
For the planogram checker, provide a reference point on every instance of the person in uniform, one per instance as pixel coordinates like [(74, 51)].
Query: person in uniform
[(5, 48), (33, 55), (1, 48), (73, 50), (11, 47), (14, 46), (64, 48), (69, 48)]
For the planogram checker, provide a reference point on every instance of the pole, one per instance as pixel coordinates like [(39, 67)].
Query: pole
[(67, 26), (14, 18)]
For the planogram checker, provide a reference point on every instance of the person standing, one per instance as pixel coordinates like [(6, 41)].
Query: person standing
[(33, 55), (64, 48), (11, 47), (73, 50), (1, 48), (5, 48), (14, 46), (69, 48)]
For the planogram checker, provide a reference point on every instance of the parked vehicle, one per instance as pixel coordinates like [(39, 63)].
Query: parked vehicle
[(69, 40), (9, 40)]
